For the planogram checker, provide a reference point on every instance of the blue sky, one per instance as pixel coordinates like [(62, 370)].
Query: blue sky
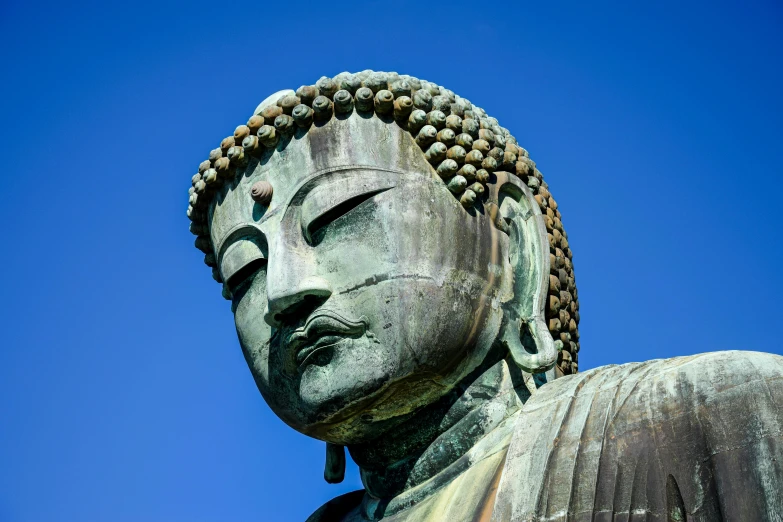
[(123, 393)]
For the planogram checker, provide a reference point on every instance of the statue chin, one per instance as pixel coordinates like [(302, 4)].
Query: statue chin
[(333, 393)]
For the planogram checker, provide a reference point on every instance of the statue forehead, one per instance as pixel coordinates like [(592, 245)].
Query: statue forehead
[(363, 142)]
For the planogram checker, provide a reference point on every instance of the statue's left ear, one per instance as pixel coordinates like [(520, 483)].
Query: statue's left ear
[(524, 329)]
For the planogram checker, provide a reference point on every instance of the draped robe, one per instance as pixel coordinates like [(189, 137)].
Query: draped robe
[(690, 438)]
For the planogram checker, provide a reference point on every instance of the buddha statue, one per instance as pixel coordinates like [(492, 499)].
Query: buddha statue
[(402, 287)]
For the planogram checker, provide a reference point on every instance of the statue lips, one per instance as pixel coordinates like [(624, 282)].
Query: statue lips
[(323, 328)]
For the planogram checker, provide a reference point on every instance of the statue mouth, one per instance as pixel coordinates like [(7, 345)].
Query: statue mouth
[(323, 329)]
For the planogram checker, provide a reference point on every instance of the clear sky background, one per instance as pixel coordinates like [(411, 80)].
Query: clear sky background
[(123, 392)]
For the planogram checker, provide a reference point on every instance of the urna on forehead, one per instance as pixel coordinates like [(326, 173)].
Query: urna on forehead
[(382, 120)]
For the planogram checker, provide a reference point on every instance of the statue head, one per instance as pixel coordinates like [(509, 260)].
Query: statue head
[(377, 236)]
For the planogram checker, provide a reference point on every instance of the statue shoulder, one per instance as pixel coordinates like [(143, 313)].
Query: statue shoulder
[(703, 372), (682, 431)]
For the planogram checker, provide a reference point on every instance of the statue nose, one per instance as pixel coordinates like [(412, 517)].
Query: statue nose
[(290, 305)]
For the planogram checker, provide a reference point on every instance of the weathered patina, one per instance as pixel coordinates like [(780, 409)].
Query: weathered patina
[(402, 285), (464, 146)]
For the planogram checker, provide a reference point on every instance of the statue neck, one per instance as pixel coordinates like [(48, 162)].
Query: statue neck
[(437, 436)]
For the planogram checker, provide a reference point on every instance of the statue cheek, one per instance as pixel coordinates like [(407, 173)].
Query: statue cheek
[(433, 327), (254, 333)]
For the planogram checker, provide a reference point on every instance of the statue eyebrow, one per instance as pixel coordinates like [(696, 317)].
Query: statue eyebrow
[(318, 210), (312, 181), (238, 232)]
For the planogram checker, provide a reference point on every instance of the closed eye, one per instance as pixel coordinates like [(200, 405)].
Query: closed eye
[(329, 214), (244, 274), (242, 259)]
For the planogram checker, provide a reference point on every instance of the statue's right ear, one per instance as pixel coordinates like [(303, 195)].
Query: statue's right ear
[(524, 329)]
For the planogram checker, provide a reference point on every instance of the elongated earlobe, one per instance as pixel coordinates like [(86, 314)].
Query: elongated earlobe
[(524, 331), (530, 344), (334, 471)]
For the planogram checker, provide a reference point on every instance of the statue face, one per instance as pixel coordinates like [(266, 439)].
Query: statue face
[(364, 290)]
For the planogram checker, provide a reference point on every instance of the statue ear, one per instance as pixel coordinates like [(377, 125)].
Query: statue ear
[(524, 330)]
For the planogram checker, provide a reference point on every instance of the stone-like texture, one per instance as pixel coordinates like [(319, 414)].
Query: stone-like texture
[(402, 286)]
